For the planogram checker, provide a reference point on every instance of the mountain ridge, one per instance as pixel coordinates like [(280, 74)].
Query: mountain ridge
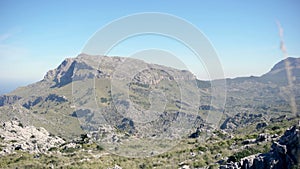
[(125, 105), (57, 82), (279, 66)]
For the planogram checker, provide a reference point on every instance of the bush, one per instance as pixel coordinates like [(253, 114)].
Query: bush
[(275, 128), (204, 149), (239, 155), (53, 149), (69, 150), (100, 148), (103, 100), (198, 164)]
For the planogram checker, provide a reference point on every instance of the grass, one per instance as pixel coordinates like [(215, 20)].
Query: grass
[(192, 152)]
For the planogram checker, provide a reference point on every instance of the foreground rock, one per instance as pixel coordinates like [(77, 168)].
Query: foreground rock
[(14, 136), (284, 154)]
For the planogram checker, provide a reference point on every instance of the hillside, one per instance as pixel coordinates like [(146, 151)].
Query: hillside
[(123, 97), (134, 109)]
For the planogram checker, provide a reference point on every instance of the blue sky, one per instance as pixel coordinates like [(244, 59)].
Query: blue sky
[(36, 36)]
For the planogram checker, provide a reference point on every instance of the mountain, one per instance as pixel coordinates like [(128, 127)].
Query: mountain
[(135, 109), (100, 93), (269, 94), (279, 73), (88, 91)]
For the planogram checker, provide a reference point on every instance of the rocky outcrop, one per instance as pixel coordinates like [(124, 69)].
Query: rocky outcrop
[(7, 100), (284, 154), (15, 136), (263, 137), (32, 101), (63, 74), (240, 120), (90, 66), (56, 98), (278, 119), (127, 125), (261, 125)]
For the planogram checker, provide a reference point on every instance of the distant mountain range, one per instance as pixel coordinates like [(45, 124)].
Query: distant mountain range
[(270, 92)]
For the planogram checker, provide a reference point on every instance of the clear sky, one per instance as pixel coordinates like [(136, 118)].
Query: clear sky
[(36, 36)]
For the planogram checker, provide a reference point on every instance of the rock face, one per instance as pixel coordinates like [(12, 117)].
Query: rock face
[(32, 101), (239, 120), (263, 137), (261, 125), (15, 136), (284, 154), (7, 100), (87, 66)]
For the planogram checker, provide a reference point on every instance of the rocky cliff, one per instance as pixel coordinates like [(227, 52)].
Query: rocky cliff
[(284, 154)]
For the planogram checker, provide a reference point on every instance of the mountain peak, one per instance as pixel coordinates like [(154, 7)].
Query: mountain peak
[(63, 73), (278, 73), (290, 61), (88, 66)]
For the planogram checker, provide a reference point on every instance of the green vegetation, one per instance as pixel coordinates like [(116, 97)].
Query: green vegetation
[(192, 152), (244, 153), (263, 95)]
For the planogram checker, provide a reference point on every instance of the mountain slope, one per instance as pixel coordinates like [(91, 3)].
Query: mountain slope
[(132, 108), (268, 95), (87, 92), (278, 74)]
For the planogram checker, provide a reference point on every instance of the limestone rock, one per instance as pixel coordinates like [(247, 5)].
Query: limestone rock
[(15, 136), (285, 153)]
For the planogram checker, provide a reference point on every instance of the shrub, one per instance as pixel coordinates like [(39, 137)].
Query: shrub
[(275, 128), (202, 149), (100, 148), (239, 155), (53, 149), (198, 164), (69, 150), (103, 100)]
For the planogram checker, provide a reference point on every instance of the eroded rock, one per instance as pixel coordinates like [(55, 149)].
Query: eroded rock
[(285, 153)]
